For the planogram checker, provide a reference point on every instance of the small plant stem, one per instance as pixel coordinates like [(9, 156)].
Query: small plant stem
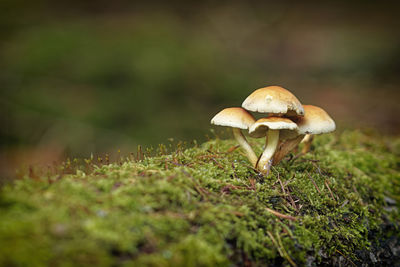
[(241, 139), (265, 162)]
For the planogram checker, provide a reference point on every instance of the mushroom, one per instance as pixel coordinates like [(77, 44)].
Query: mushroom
[(315, 121), (237, 118), (271, 127), (275, 100), (307, 140)]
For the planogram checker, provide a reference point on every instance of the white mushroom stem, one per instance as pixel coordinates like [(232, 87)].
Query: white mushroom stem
[(285, 147), (265, 162), (307, 140), (241, 139)]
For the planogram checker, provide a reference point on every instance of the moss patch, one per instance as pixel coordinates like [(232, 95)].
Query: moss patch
[(205, 206)]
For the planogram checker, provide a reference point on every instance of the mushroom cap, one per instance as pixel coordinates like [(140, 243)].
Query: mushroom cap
[(234, 117), (273, 99), (315, 121), (260, 127)]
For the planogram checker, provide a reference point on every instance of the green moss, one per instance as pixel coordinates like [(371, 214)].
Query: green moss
[(205, 206)]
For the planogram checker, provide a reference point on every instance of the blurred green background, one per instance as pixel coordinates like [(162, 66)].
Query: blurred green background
[(82, 77)]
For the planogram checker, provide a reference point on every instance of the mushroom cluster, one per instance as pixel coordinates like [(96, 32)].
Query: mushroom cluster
[(285, 123)]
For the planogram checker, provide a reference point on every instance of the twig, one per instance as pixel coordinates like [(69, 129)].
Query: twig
[(298, 155), (218, 164), (292, 200), (232, 149), (253, 184), (312, 180), (283, 188), (287, 192), (318, 168), (280, 215), (329, 189)]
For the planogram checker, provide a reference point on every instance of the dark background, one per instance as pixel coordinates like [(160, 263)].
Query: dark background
[(82, 77)]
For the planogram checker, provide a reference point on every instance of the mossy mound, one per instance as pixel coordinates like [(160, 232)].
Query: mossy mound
[(205, 206)]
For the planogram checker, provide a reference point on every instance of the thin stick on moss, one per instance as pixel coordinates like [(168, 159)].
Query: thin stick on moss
[(282, 186), (280, 215), (312, 180), (231, 149), (292, 202), (217, 163), (329, 189)]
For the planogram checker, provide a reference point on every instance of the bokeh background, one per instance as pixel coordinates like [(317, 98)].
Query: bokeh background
[(82, 77)]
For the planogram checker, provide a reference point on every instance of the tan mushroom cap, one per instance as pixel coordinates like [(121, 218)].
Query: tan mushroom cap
[(260, 127), (273, 99), (315, 121), (234, 117)]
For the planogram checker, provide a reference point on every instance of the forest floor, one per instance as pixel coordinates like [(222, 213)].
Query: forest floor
[(205, 206)]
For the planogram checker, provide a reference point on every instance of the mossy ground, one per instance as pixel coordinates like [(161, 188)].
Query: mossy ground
[(205, 206)]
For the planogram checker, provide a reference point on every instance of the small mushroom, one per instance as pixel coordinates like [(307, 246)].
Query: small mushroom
[(315, 121), (237, 118), (271, 127), (307, 140), (275, 100)]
